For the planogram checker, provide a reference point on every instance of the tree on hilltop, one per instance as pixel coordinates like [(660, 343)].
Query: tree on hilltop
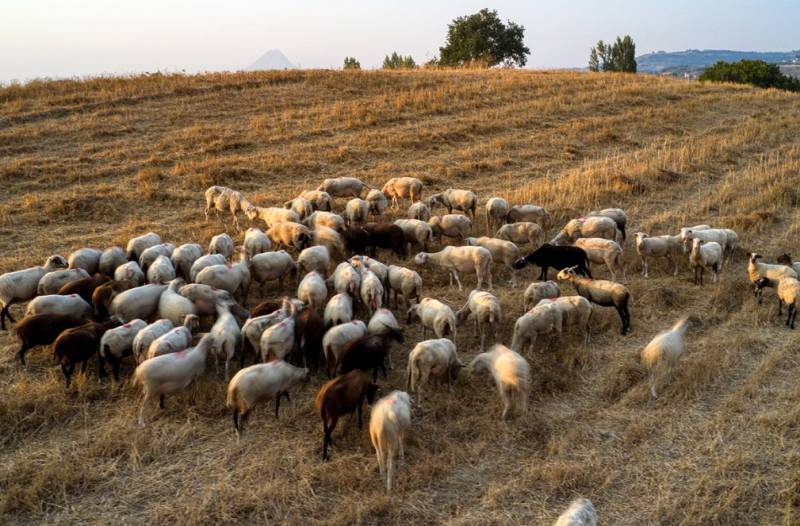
[(755, 72), (483, 39), (395, 61), (619, 56), (351, 63)]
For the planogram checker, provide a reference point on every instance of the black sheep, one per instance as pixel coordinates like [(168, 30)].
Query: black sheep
[(558, 257)]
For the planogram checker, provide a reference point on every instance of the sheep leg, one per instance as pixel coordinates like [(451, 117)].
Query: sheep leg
[(235, 414), (101, 367), (389, 471), (142, 408), (458, 281), (326, 439), (794, 314), (277, 404), (67, 370), (359, 409), (780, 306), (21, 353), (161, 402), (379, 454)]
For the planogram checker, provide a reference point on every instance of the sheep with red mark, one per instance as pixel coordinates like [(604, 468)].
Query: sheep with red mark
[(87, 259), (226, 336), (406, 282), (434, 315), (221, 244), (146, 336), (205, 261), (139, 302), (271, 266), (139, 244), (52, 282), (130, 271), (84, 287), (336, 339), (277, 341), (161, 271), (151, 254), (177, 339), (184, 256), (72, 305), (338, 310), (170, 373), (432, 360), (389, 423), (312, 291), (116, 344)]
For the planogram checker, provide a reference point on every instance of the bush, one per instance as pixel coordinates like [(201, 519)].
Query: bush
[(755, 72), (395, 61), (351, 63)]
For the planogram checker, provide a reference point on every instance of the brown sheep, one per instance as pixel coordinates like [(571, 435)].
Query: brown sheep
[(42, 329), (78, 344), (84, 287), (341, 396), (103, 295)]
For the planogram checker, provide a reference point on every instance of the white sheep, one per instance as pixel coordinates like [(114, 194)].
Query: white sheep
[(110, 259), (183, 257), (666, 246), (757, 270), (528, 213), (485, 310), (174, 306), (71, 305), (146, 336), (663, 351), (525, 232), (453, 199), (117, 343), (319, 199), (402, 188), (416, 232), (576, 311), (598, 226), (87, 259), (346, 279), (788, 293), (161, 271), (138, 302), (150, 254), (511, 374), (221, 244), (130, 271), (603, 252), (314, 258), (716, 235), (312, 291), (504, 252), (705, 254), (343, 187), (461, 259), (204, 262), (255, 242), (419, 211), (377, 202), (260, 383), (326, 219), (226, 336), (617, 214), (271, 215), (406, 282), (371, 291), (496, 211), (221, 198), (601, 292), (383, 323), (539, 290), (289, 235), (389, 422), (362, 263), (337, 338), (170, 373), (300, 206), (204, 297), (21, 285), (432, 359), (272, 266), (277, 341), (580, 512), (338, 310), (233, 278), (177, 339), (356, 212), (139, 244), (434, 315), (330, 239), (253, 328), (544, 319), (52, 282), (453, 226)]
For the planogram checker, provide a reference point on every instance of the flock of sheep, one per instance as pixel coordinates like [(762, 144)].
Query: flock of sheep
[(149, 301)]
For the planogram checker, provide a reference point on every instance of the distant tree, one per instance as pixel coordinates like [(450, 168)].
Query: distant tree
[(483, 38), (755, 72), (351, 63), (619, 56), (395, 61)]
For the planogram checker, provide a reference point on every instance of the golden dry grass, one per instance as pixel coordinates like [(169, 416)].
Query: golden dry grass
[(90, 163)]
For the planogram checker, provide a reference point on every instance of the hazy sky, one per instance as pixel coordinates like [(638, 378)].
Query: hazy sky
[(58, 38)]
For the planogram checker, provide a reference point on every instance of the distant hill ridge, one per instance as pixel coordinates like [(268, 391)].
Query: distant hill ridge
[(693, 59), (272, 59)]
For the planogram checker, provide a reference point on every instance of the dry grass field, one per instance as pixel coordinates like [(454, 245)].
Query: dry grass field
[(92, 163)]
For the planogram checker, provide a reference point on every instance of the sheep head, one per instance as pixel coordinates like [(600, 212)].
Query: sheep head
[(567, 274)]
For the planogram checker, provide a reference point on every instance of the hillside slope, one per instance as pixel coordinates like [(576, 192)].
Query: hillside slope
[(93, 163)]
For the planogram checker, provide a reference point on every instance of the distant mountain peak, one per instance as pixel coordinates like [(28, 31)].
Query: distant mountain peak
[(272, 59)]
